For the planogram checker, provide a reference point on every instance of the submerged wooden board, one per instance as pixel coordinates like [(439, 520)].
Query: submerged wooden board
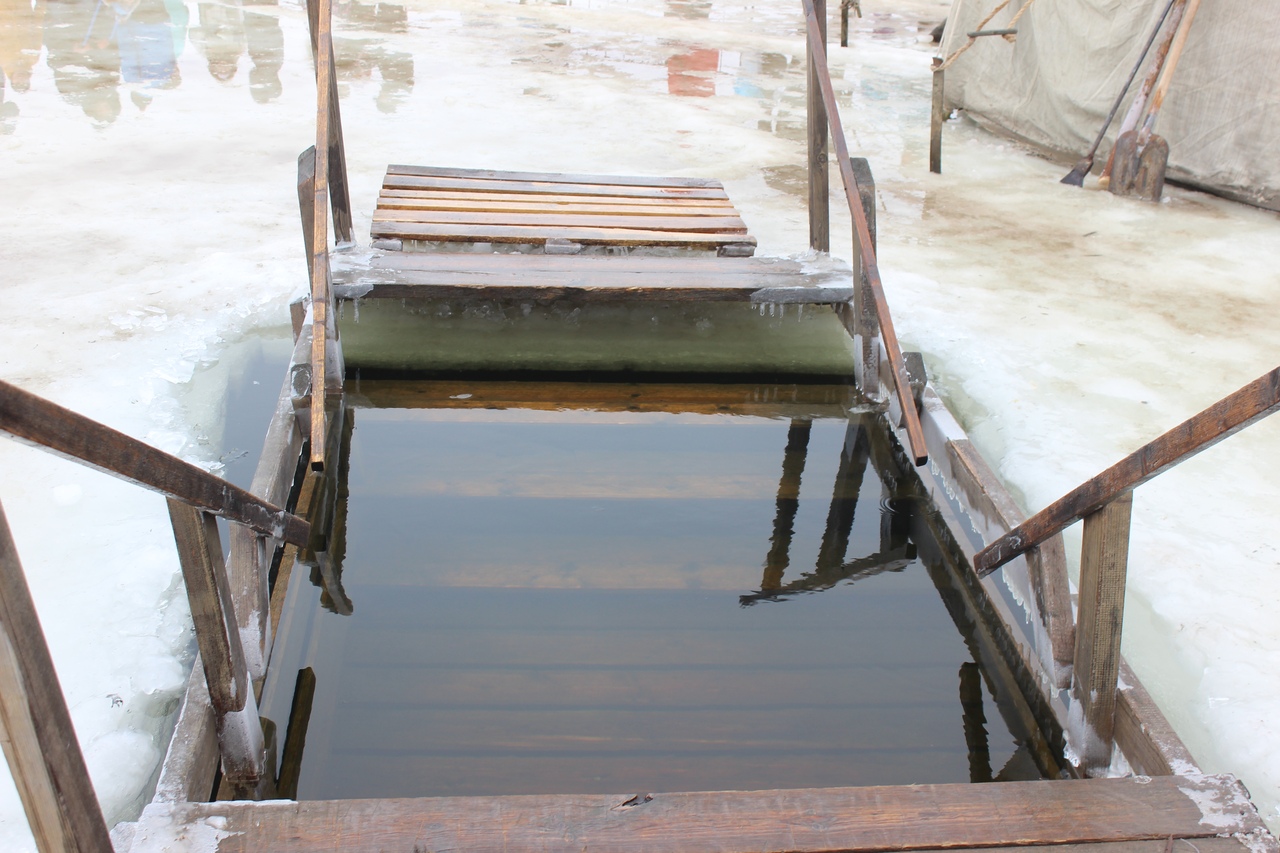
[(484, 206), (832, 819)]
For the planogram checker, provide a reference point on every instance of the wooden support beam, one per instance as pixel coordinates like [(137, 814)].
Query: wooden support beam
[(35, 727), (320, 11), (38, 422), (306, 206), (336, 159), (218, 638), (816, 112), (1103, 563), (1224, 418), (937, 116)]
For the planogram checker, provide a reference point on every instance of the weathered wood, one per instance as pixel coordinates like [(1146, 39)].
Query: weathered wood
[(722, 224), (392, 194), (1224, 418), (539, 234), (191, 763), (36, 732), (937, 117), (539, 204), (738, 399), (1103, 563), (838, 819), (552, 177), (816, 132), (306, 199), (336, 161), (320, 10), (590, 266), (863, 239), (1046, 563), (1142, 733), (409, 182), (35, 421), (218, 638)]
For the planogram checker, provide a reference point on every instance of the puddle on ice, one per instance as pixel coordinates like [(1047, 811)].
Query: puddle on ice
[(549, 600)]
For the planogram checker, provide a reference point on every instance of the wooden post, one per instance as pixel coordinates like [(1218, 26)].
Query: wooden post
[(819, 181), (866, 320), (339, 194), (1103, 563), (844, 21), (306, 206), (937, 117), (218, 638), (35, 727)]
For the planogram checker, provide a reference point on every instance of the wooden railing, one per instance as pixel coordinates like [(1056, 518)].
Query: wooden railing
[(1105, 504), (322, 183), (824, 110), (40, 741)]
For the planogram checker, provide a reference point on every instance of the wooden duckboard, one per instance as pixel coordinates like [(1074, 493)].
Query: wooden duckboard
[(543, 278), (914, 817), (422, 204)]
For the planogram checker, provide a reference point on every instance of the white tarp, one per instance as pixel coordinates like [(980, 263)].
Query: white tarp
[(1054, 85)]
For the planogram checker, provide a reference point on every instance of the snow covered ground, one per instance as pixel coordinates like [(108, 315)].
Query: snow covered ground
[(151, 221)]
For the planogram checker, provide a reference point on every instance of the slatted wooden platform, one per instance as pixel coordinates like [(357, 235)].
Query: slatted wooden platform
[(406, 275), (1151, 815), (428, 208)]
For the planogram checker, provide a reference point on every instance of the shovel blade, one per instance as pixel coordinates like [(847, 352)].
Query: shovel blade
[(1139, 172)]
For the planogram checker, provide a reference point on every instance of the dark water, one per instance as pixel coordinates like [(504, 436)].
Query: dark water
[(521, 601)]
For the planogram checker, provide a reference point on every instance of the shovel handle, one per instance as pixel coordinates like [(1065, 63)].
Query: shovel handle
[(1166, 73)]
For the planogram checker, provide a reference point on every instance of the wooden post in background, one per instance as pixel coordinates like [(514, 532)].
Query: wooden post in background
[(35, 727), (937, 117), (218, 638), (819, 180), (1103, 564), (339, 194)]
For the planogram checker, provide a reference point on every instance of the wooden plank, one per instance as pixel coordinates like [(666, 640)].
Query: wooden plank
[(1103, 565), (36, 732), (817, 819), (728, 224), (409, 182), (865, 243), (1046, 564), (37, 422), (738, 399), (1223, 419), (723, 224), (816, 133), (537, 204), (218, 638), (1142, 733), (552, 177), (533, 234), (476, 197), (599, 277), (320, 296), (588, 265)]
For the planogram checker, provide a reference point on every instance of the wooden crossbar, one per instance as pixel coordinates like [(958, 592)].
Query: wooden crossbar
[(1224, 418), (40, 423)]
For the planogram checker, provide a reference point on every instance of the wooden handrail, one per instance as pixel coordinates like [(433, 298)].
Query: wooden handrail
[(320, 290), (864, 243), (38, 422), (1224, 418)]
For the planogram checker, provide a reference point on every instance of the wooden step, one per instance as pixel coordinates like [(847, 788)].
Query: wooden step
[(425, 208), (1212, 811)]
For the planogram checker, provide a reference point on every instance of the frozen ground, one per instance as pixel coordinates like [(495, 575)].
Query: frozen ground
[(150, 221)]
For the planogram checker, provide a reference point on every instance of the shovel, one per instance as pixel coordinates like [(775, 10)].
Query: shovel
[(1140, 156), (1076, 176)]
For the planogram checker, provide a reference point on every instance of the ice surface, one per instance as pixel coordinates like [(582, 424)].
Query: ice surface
[(151, 218)]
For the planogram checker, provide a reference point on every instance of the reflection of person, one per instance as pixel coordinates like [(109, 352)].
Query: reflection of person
[(265, 41), (20, 41), (145, 40), (221, 38), (83, 56)]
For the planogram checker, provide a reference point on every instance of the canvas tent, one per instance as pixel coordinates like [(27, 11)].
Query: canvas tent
[(1054, 85)]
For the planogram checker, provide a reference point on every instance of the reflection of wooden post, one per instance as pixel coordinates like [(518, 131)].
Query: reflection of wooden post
[(819, 182), (844, 498), (1103, 563), (295, 739), (35, 726), (975, 722), (221, 652), (937, 117), (793, 458)]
